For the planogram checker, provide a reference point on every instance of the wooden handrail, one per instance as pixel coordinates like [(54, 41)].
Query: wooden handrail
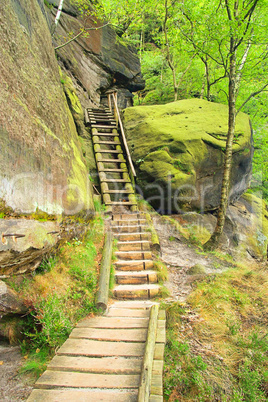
[(118, 119)]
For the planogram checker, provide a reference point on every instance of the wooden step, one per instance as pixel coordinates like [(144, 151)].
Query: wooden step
[(118, 191), (136, 277), (112, 335), (78, 395), (51, 379), (131, 221), (105, 142), (111, 151), (121, 203), (107, 135), (108, 365), (133, 255), (88, 347), (143, 245), (116, 181), (133, 265), (136, 291), (132, 236), (112, 170), (128, 215), (104, 126), (128, 228), (111, 322), (112, 160)]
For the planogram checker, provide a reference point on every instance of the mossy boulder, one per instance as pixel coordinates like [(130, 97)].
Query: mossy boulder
[(197, 269), (178, 149)]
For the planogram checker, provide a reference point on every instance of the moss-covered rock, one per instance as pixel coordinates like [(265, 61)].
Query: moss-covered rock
[(41, 166), (197, 269), (178, 149)]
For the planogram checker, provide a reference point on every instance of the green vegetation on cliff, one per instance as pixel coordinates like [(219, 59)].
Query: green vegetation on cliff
[(58, 294)]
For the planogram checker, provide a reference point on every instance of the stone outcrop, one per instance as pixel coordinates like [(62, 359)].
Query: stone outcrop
[(96, 61), (178, 149), (9, 301), (44, 164), (23, 253), (41, 163), (245, 231)]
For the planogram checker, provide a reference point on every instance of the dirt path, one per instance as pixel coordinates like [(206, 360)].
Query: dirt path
[(12, 387)]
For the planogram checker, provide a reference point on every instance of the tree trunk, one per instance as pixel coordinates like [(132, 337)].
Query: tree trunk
[(214, 240)]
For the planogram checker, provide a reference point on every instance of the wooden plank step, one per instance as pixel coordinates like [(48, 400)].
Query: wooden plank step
[(111, 151), (133, 236), (127, 215), (122, 203), (104, 126), (131, 221), (133, 265), (52, 379), (136, 291), (86, 347), (108, 365), (116, 181), (85, 395), (136, 277), (136, 304), (105, 142), (112, 170), (107, 135), (112, 160), (140, 245), (115, 335), (110, 322), (118, 312), (134, 255), (118, 191), (128, 228), (102, 118)]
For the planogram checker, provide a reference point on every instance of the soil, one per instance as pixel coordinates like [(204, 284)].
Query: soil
[(180, 256), (12, 386)]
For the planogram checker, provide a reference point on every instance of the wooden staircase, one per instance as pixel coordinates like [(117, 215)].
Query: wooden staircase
[(115, 183), (134, 275)]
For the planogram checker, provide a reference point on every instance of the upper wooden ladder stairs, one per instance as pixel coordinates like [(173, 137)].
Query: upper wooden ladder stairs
[(118, 356)]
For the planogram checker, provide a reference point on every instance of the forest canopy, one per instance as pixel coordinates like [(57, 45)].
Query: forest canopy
[(184, 49)]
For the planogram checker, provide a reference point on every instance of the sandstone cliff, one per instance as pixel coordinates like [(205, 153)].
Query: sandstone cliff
[(42, 164)]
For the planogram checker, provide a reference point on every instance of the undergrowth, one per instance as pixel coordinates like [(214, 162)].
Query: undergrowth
[(217, 343), (61, 292)]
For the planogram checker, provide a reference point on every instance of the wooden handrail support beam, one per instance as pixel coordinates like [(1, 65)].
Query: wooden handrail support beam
[(123, 136), (105, 270), (113, 94), (147, 365)]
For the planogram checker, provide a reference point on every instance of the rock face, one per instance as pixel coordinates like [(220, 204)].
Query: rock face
[(41, 163), (245, 231), (19, 255), (9, 301), (178, 150), (42, 159), (95, 62)]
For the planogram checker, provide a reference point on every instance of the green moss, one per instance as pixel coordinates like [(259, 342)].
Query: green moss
[(197, 269)]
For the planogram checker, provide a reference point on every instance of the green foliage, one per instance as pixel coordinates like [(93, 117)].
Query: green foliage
[(59, 294), (217, 343)]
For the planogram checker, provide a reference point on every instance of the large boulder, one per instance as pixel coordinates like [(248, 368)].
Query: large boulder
[(178, 149), (41, 161)]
